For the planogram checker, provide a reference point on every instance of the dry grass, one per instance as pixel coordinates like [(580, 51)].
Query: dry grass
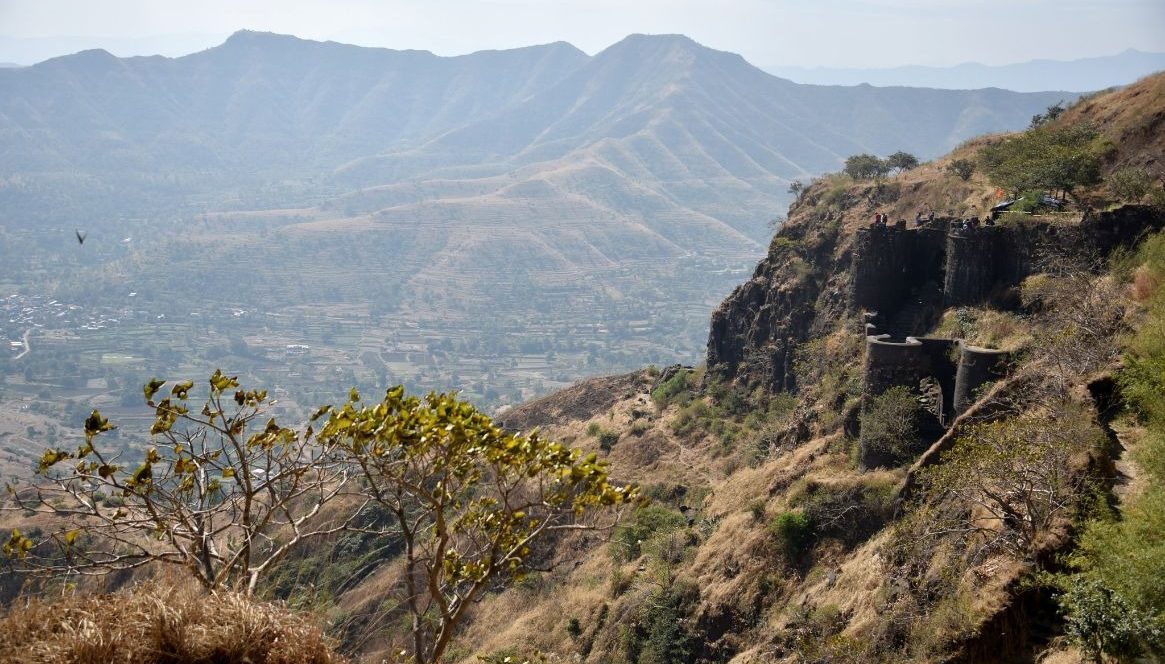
[(989, 328), (164, 623)]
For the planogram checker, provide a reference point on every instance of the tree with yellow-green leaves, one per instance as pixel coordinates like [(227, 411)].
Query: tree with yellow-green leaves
[(227, 496), (217, 492), (469, 501)]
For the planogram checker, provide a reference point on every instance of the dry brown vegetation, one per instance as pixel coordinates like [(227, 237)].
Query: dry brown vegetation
[(870, 585), (161, 622)]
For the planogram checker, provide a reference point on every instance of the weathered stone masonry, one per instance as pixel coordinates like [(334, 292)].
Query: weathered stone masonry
[(893, 265), (943, 373)]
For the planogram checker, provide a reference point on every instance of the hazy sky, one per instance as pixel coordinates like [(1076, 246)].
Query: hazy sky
[(835, 33)]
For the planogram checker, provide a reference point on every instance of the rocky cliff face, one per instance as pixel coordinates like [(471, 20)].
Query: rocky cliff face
[(795, 289), (827, 267)]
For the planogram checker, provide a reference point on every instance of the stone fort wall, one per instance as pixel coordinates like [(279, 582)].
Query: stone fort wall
[(890, 263), (944, 374)]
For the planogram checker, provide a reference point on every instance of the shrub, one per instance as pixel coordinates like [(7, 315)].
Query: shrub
[(850, 514), (607, 440), (574, 628), (963, 168), (757, 509), (660, 634), (628, 539), (619, 582), (696, 413), (676, 389), (782, 243), (1130, 184), (890, 425), (1101, 621), (593, 429), (793, 533)]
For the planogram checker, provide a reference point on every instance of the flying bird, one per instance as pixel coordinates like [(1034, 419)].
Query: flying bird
[(80, 237)]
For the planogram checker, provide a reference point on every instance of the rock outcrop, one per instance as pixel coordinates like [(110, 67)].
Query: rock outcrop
[(817, 275), (755, 332)]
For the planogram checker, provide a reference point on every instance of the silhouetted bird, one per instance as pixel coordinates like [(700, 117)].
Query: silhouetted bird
[(80, 237)]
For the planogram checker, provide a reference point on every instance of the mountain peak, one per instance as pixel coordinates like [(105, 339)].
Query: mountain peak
[(258, 36), (83, 60), (646, 48), (645, 43)]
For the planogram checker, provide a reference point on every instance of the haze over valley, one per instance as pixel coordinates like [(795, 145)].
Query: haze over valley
[(641, 332), (316, 214)]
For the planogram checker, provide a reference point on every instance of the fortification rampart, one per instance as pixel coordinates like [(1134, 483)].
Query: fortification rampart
[(977, 367), (974, 262), (942, 374), (890, 264)]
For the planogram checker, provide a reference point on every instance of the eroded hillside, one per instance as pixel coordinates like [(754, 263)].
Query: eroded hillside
[(901, 431), (774, 535)]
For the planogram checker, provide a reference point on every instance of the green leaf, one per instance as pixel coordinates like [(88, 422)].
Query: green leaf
[(151, 389), (95, 424), (143, 473), (220, 383), (180, 390), (51, 458)]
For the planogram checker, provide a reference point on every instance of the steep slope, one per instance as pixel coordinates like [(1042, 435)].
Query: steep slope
[(756, 329), (768, 540)]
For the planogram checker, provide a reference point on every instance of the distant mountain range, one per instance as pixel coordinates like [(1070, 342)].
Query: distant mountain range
[(1082, 75), (554, 213), (659, 117)]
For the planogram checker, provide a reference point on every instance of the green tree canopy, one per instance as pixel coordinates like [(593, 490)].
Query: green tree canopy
[(1047, 157), (902, 161), (963, 168), (469, 501), (865, 166)]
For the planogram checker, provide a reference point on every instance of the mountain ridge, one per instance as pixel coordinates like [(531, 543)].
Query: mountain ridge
[(1081, 74), (327, 92), (612, 197)]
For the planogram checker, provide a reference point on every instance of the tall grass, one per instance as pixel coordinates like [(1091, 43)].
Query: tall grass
[(159, 622)]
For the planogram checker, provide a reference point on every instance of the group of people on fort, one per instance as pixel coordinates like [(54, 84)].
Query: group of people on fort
[(882, 220), (971, 223)]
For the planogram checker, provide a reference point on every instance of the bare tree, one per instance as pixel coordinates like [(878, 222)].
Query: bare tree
[(1079, 317), (1012, 479), (214, 493)]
